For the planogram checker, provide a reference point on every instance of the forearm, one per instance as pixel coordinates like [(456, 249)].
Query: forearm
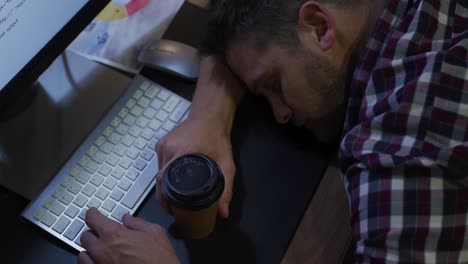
[(217, 94)]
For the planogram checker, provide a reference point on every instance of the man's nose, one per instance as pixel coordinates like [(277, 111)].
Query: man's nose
[(281, 110)]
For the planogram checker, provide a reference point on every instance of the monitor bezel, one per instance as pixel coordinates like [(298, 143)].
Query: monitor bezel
[(23, 80)]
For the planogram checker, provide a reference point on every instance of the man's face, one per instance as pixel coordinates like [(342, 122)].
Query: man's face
[(303, 87)]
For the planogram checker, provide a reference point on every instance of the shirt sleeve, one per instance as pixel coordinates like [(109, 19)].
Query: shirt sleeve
[(406, 160)]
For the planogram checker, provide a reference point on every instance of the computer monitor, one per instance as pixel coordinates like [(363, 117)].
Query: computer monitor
[(32, 35)]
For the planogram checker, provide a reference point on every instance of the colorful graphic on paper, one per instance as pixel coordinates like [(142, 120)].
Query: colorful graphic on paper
[(117, 35), (120, 9)]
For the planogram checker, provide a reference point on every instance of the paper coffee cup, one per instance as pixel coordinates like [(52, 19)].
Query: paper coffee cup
[(193, 183)]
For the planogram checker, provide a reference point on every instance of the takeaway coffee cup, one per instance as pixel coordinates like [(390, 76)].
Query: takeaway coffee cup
[(193, 184)]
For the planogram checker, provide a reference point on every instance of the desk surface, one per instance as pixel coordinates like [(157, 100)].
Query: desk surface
[(278, 171)]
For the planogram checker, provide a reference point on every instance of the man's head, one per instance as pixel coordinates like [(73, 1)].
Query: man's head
[(293, 52)]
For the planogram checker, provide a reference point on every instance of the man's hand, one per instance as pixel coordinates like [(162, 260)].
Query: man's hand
[(208, 127), (199, 136), (137, 241)]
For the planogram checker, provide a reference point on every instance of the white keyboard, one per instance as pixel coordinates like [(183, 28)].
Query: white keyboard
[(115, 167)]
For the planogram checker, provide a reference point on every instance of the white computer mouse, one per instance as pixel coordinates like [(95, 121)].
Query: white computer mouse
[(172, 57)]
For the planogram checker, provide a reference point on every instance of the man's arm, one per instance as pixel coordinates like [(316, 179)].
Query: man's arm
[(208, 127)]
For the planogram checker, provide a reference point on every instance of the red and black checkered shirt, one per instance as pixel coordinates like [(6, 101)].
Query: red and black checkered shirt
[(405, 147)]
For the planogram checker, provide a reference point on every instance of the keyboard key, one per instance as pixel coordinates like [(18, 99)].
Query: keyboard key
[(74, 229), (108, 205), (91, 167), (142, 122), (147, 154), (107, 147), (99, 141), (120, 150), (83, 177), (92, 151), (110, 183), (139, 164), (72, 211), (82, 214), (149, 113), (119, 212), (105, 169), (138, 94), (118, 173), (112, 159), (80, 201), (130, 103), (48, 203), (132, 174), (65, 198), (123, 113), (162, 115), (136, 110), (97, 180), (171, 104), (58, 191), (122, 129), (148, 134), (143, 102), (136, 191), (61, 224), (48, 219), (140, 143), (117, 194), (133, 153), (129, 120), (163, 95), (74, 187), (89, 190), (160, 133), (145, 85), (40, 213), (99, 157), (75, 170), (107, 132), (152, 91), (115, 138), (128, 140), (125, 184), (157, 104), (169, 125), (179, 112), (84, 160), (135, 131), (94, 203), (125, 163), (116, 121), (57, 209), (102, 193), (155, 124)]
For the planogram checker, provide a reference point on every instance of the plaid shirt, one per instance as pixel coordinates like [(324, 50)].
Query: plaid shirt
[(405, 146)]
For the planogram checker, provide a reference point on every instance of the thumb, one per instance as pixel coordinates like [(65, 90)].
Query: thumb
[(136, 223)]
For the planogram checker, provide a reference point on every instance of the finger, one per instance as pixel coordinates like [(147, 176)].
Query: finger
[(140, 224), (84, 258), (162, 199), (95, 247), (228, 169), (99, 223)]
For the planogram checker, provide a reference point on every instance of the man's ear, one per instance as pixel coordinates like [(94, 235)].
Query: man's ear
[(315, 19)]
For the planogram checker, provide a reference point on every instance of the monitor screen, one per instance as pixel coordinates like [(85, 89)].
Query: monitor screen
[(34, 32)]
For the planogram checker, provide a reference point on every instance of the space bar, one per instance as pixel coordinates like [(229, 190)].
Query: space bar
[(138, 188)]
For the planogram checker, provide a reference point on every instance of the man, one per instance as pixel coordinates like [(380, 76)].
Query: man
[(394, 72)]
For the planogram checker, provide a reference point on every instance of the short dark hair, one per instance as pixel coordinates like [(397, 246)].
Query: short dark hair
[(265, 20)]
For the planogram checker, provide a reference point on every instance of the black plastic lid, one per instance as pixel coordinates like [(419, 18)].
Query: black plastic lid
[(193, 181)]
